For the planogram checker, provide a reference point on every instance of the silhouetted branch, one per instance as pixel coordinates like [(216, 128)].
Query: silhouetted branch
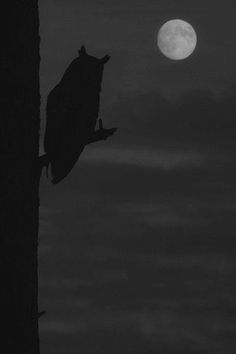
[(41, 313), (101, 133), (43, 162)]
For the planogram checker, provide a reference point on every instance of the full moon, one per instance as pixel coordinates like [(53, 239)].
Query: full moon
[(177, 39)]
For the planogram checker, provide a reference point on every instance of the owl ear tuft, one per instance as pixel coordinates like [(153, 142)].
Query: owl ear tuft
[(82, 51)]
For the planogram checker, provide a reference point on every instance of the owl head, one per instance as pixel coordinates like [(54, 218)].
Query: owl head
[(85, 72)]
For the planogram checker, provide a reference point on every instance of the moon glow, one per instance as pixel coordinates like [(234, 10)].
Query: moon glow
[(177, 39)]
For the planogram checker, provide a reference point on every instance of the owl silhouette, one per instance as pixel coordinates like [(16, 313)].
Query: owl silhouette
[(72, 113)]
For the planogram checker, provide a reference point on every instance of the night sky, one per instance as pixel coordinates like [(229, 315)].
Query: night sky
[(137, 244)]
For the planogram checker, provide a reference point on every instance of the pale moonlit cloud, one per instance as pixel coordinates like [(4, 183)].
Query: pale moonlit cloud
[(152, 158)]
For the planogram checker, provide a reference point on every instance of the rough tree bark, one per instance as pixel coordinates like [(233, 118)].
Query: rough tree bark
[(19, 201)]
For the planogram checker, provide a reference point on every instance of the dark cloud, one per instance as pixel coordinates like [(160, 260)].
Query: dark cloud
[(136, 258), (197, 119)]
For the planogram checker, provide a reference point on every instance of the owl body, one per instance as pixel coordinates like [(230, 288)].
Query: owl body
[(72, 113)]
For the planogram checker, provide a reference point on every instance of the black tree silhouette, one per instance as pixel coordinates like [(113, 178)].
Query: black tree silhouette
[(19, 194)]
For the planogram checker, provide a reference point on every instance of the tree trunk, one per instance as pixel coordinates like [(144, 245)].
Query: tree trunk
[(19, 201)]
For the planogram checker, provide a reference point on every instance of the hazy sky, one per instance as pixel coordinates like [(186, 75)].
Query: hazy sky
[(127, 30), (137, 244)]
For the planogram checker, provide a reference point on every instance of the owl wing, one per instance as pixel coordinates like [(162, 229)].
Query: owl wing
[(72, 113), (66, 132)]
